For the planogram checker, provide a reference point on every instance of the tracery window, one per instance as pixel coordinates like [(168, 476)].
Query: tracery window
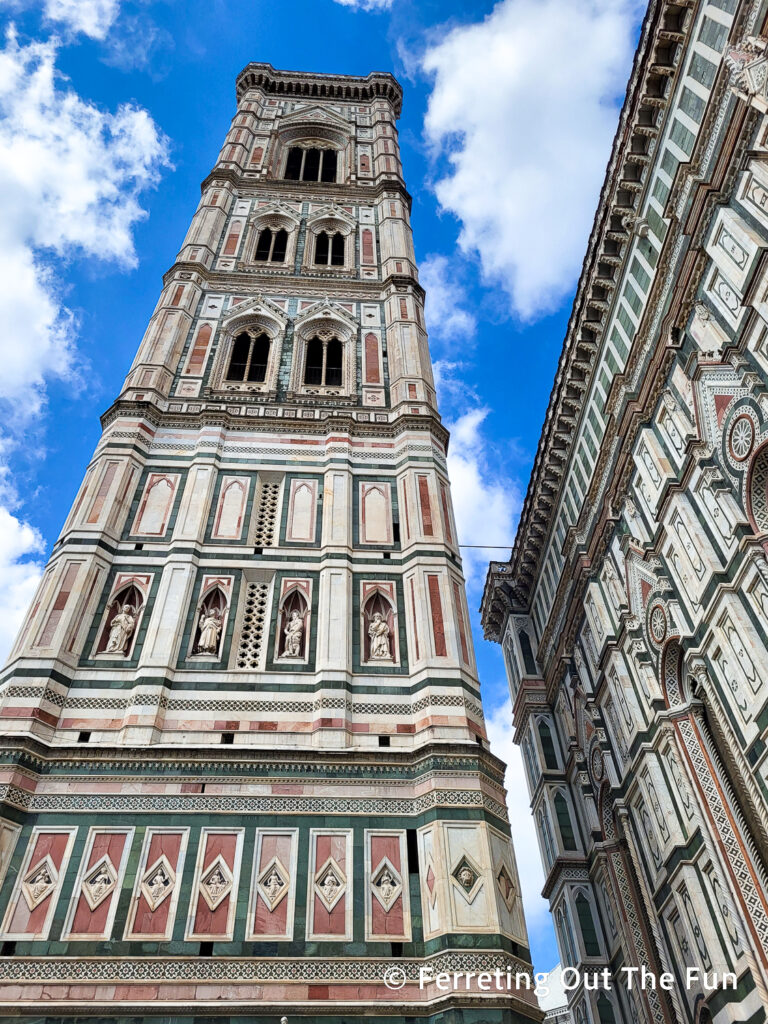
[(272, 246), (311, 164), (250, 354), (329, 249), (547, 745), (564, 822), (323, 362), (587, 926)]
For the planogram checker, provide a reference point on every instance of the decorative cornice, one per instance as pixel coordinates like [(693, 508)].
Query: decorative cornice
[(639, 125), (320, 87)]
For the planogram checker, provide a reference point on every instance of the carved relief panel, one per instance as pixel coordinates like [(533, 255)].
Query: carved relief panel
[(38, 885), (213, 899), (387, 899), (96, 890), (329, 889), (156, 892), (273, 885)]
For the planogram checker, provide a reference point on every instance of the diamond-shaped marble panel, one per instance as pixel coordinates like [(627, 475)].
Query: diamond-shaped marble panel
[(273, 883), (39, 882), (386, 884), (99, 882), (158, 882), (330, 884), (216, 883)]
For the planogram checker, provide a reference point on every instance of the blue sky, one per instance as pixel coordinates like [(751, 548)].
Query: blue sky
[(112, 112)]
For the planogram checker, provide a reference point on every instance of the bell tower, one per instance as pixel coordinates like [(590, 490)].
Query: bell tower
[(245, 770)]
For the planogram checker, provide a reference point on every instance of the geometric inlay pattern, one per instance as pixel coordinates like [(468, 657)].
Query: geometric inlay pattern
[(266, 516), (506, 886)]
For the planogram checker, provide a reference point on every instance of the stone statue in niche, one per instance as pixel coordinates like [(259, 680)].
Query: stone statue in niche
[(209, 625), (378, 631), (121, 629), (293, 632), (614, 587)]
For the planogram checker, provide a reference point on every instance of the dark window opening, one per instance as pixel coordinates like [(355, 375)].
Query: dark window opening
[(323, 365), (396, 948), (383, 741), (333, 363), (311, 164), (329, 249), (83, 737), (8, 949), (271, 246), (227, 737), (547, 746), (206, 949), (337, 250), (413, 851), (396, 532), (587, 925), (250, 355), (564, 822)]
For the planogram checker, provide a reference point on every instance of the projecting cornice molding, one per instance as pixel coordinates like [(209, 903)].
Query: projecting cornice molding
[(667, 25), (321, 87)]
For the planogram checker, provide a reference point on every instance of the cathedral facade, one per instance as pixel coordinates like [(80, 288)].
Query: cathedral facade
[(244, 765), (633, 612)]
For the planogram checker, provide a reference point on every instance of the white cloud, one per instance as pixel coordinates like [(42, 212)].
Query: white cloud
[(70, 176), (446, 317), (366, 5), (499, 726), (485, 502), (524, 107), (20, 571), (93, 18)]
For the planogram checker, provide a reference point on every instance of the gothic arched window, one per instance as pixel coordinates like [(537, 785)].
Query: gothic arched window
[(272, 246), (587, 926), (564, 822), (547, 746), (329, 249), (323, 365), (605, 1010), (250, 354), (311, 164)]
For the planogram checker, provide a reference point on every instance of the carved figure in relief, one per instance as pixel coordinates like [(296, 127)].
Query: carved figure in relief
[(99, 884), (216, 884), (378, 631), (466, 877), (209, 625), (121, 629), (386, 886), (330, 886), (273, 884), (40, 882), (293, 632), (157, 884)]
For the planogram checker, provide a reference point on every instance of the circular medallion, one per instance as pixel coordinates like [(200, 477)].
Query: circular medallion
[(742, 438), (657, 622), (597, 765)]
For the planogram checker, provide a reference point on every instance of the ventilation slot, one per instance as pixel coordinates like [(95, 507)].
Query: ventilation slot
[(266, 516), (252, 631)]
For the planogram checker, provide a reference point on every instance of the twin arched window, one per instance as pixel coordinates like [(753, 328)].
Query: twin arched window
[(271, 246), (323, 366), (311, 164), (248, 362), (329, 249)]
